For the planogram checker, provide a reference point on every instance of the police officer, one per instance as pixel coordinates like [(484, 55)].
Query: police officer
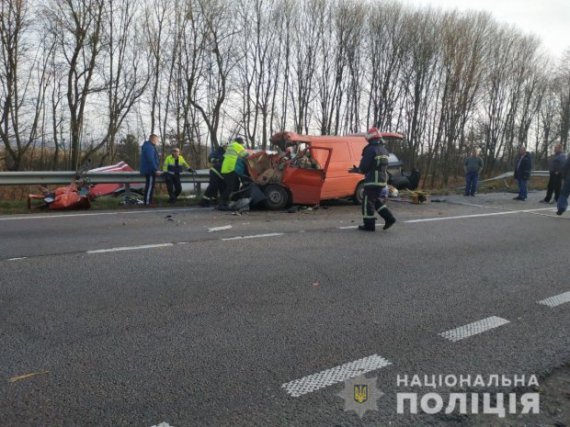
[(173, 165), (374, 165), (216, 183), (231, 179)]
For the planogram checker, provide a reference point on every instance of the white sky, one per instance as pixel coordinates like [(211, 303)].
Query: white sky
[(548, 19)]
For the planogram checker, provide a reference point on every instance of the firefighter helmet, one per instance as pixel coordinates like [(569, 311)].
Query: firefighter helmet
[(373, 133)]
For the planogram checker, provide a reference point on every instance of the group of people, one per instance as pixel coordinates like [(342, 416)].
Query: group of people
[(173, 165), (226, 167), (559, 169)]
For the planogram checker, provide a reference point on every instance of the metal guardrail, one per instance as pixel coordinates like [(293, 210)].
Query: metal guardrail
[(510, 175), (65, 177)]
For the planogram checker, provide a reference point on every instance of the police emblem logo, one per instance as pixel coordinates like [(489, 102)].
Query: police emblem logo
[(360, 395)]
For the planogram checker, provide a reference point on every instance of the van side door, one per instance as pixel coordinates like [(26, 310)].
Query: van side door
[(306, 183)]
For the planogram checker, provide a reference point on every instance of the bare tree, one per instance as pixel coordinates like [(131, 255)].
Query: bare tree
[(22, 84), (125, 75), (78, 25)]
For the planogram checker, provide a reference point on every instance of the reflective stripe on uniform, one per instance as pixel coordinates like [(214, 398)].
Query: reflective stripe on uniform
[(217, 172)]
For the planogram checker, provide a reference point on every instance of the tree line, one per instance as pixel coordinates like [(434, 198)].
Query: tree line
[(79, 78)]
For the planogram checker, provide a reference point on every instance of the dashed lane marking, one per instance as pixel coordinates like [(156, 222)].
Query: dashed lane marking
[(130, 248), (17, 258), (446, 218), (255, 236), (222, 228), (334, 375), (135, 212), (556, 300), (474, 328)]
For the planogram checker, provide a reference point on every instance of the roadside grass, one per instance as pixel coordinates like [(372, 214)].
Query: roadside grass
[(509, 185), (13, 199), (19, 206)]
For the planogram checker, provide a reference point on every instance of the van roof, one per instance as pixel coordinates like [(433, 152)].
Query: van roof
[(285, 137)]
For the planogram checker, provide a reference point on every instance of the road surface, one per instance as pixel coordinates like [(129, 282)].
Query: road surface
[(189, 317)]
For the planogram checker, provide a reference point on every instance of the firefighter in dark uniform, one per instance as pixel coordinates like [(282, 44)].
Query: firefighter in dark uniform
[(374, 166), (216, 183)]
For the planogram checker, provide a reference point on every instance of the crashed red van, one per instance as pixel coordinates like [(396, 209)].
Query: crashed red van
[(331, 158), (287, 180)]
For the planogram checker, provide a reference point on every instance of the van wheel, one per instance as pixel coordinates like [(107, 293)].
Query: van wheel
[(358, 194), (277, 197)]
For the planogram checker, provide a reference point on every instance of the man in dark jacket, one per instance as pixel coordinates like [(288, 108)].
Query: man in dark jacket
[(216, 180), (149, 166), (523, 168), (374, 166), (565, 192), (555, 166)]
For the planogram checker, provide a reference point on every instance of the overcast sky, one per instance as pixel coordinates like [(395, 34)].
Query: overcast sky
[(549, 19)]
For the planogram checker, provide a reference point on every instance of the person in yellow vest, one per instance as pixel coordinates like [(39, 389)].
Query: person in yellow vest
[(173, 165), (231, 179)]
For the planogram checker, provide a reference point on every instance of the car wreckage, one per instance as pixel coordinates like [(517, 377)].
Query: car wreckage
[(304, 170)]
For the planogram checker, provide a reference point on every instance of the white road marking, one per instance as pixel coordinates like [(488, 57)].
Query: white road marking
[(348, 227), (255, 236), (334, 375), (130, 248), (445, 218), (556, 300), (134, 212), (224, 227), (17, 259), (474, 328)]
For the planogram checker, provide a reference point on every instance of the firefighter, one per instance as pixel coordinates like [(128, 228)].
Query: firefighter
[(216, 183), (172, 167), (231, 179), (374, 166)]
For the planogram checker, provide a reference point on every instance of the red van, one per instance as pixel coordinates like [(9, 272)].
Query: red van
[(346, 153)]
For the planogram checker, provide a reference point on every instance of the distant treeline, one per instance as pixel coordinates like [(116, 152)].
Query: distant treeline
[(78, 76)]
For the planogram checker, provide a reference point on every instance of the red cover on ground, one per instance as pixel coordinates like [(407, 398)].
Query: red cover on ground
[(105, 189)]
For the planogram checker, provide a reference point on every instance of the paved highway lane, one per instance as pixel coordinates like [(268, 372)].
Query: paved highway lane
[(215, 332)]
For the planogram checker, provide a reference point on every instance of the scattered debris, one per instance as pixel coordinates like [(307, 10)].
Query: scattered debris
[(316, 284), (26, 376)]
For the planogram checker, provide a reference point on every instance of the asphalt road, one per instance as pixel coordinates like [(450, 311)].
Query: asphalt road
[(192, 317)]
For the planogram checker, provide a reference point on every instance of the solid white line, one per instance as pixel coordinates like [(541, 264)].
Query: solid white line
[(556, 300), (445, 218), (256, 236), (224, 227), (348, 227), (130, 248), (17, 259), (54, 216), (334, 375), (474, 328)]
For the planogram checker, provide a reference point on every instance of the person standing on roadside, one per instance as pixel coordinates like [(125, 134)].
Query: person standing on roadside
[(523, 168), (231, 179), (216, 179), (173, 165), (562, 204), (374, 166), (473, 165), (555, 167), (149, 166)]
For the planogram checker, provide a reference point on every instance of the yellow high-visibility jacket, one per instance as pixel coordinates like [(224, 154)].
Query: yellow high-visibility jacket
[(171, 167), (234, 150)]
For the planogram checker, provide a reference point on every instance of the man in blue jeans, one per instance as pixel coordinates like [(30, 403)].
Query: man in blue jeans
[(523, 167), (565, 193), (473, 165)]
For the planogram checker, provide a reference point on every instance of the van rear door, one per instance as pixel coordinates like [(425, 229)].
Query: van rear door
[(305, 184)]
